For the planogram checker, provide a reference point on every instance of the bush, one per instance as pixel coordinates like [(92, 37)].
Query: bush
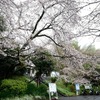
[(82, 90), (20, 78), (40, 91), (10, 87), (53, 79), (72, 88), (31, 88), (96, 90)]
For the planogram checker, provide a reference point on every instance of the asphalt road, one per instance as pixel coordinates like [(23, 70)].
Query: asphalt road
[(80, 98)]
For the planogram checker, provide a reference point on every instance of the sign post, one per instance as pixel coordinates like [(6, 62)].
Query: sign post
[(77, 86), (52, 91)]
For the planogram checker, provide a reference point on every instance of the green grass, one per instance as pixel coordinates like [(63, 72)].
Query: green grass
[(62, 88)]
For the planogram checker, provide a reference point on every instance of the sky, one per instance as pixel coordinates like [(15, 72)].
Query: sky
[(86, 41), (83, 41)]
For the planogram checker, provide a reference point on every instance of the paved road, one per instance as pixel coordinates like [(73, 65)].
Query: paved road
[(80, 98)]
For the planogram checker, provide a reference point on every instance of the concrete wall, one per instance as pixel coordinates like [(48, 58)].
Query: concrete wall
[(80, 98)]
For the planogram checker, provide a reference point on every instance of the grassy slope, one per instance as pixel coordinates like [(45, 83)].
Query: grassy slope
[(62, 88)]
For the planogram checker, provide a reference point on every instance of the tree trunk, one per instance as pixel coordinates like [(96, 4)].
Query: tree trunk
[(38, 81)]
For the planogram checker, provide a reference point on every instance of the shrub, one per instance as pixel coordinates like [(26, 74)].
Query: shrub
[(13, 87), (40, 91), (82, 90), (53, 79), (72, 88), (20, 78), (96, 90), (31, 88)]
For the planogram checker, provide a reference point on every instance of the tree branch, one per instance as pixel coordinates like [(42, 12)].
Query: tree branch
[(38, 22), (50, 38), (43, 29)]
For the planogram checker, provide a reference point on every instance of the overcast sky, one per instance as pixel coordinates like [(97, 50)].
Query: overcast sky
[(88, 40)]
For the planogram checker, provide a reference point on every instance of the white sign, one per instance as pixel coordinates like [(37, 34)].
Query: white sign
[(54, 74), (77, 86), (88, 86), (52, 87)]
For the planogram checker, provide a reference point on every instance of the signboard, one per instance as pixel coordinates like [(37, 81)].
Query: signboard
[(88, 86), (77, 86), (52, 87), (55, 74)]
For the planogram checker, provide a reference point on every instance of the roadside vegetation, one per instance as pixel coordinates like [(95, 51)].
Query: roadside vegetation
[(12, 89), (67, 89)]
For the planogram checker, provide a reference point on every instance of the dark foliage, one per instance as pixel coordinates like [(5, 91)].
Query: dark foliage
[(10, 66), (44, 63)]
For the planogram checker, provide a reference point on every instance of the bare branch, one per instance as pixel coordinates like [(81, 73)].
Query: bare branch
[(38, 22), (50, 38)]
